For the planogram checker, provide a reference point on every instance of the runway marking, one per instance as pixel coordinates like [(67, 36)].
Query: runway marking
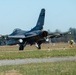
[(36, 60)]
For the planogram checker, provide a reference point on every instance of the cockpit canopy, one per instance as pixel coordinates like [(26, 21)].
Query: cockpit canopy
[(17, 30)]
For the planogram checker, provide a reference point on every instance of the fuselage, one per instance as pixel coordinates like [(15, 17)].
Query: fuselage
[(29, 40)]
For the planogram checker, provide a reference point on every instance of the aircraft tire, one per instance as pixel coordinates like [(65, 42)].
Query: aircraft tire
[(21, 47), (39, 47)]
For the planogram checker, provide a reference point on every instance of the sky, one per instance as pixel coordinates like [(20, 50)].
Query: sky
[(23, 14)]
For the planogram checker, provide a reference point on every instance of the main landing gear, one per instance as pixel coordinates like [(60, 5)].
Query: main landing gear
[(38, 44)]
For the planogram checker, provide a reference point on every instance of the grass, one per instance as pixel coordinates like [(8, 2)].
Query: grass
[(8, 52), (57, 68), (37, 54)]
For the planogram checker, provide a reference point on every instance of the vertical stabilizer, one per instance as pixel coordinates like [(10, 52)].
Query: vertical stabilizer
[(40, 22)]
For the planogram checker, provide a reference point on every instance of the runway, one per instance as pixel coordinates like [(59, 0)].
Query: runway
[(36, 60)]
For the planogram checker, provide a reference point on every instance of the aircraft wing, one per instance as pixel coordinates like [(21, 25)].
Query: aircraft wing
[(21, 36), (16, 37)]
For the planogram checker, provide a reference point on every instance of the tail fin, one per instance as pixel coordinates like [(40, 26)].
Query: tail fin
[(40, 22)]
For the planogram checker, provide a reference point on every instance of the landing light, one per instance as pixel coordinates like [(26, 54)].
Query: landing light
[(47, 39), (20, 40)]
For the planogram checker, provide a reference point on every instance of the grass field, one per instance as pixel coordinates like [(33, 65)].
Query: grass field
[(12, 52), (57, 68), (48, 50)]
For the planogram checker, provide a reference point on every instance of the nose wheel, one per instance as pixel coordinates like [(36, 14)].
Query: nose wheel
[(21, 47)]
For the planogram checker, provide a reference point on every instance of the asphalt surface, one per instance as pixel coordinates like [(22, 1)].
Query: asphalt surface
[(36, 60)]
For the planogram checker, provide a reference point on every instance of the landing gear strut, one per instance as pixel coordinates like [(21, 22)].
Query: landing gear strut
[(38, 44)]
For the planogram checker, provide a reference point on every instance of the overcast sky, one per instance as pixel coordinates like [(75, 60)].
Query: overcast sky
[(23, 14)]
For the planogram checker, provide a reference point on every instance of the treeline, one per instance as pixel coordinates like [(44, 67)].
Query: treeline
[(70, 36)]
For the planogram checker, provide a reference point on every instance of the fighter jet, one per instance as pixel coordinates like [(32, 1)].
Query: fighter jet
[(35, 36)]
